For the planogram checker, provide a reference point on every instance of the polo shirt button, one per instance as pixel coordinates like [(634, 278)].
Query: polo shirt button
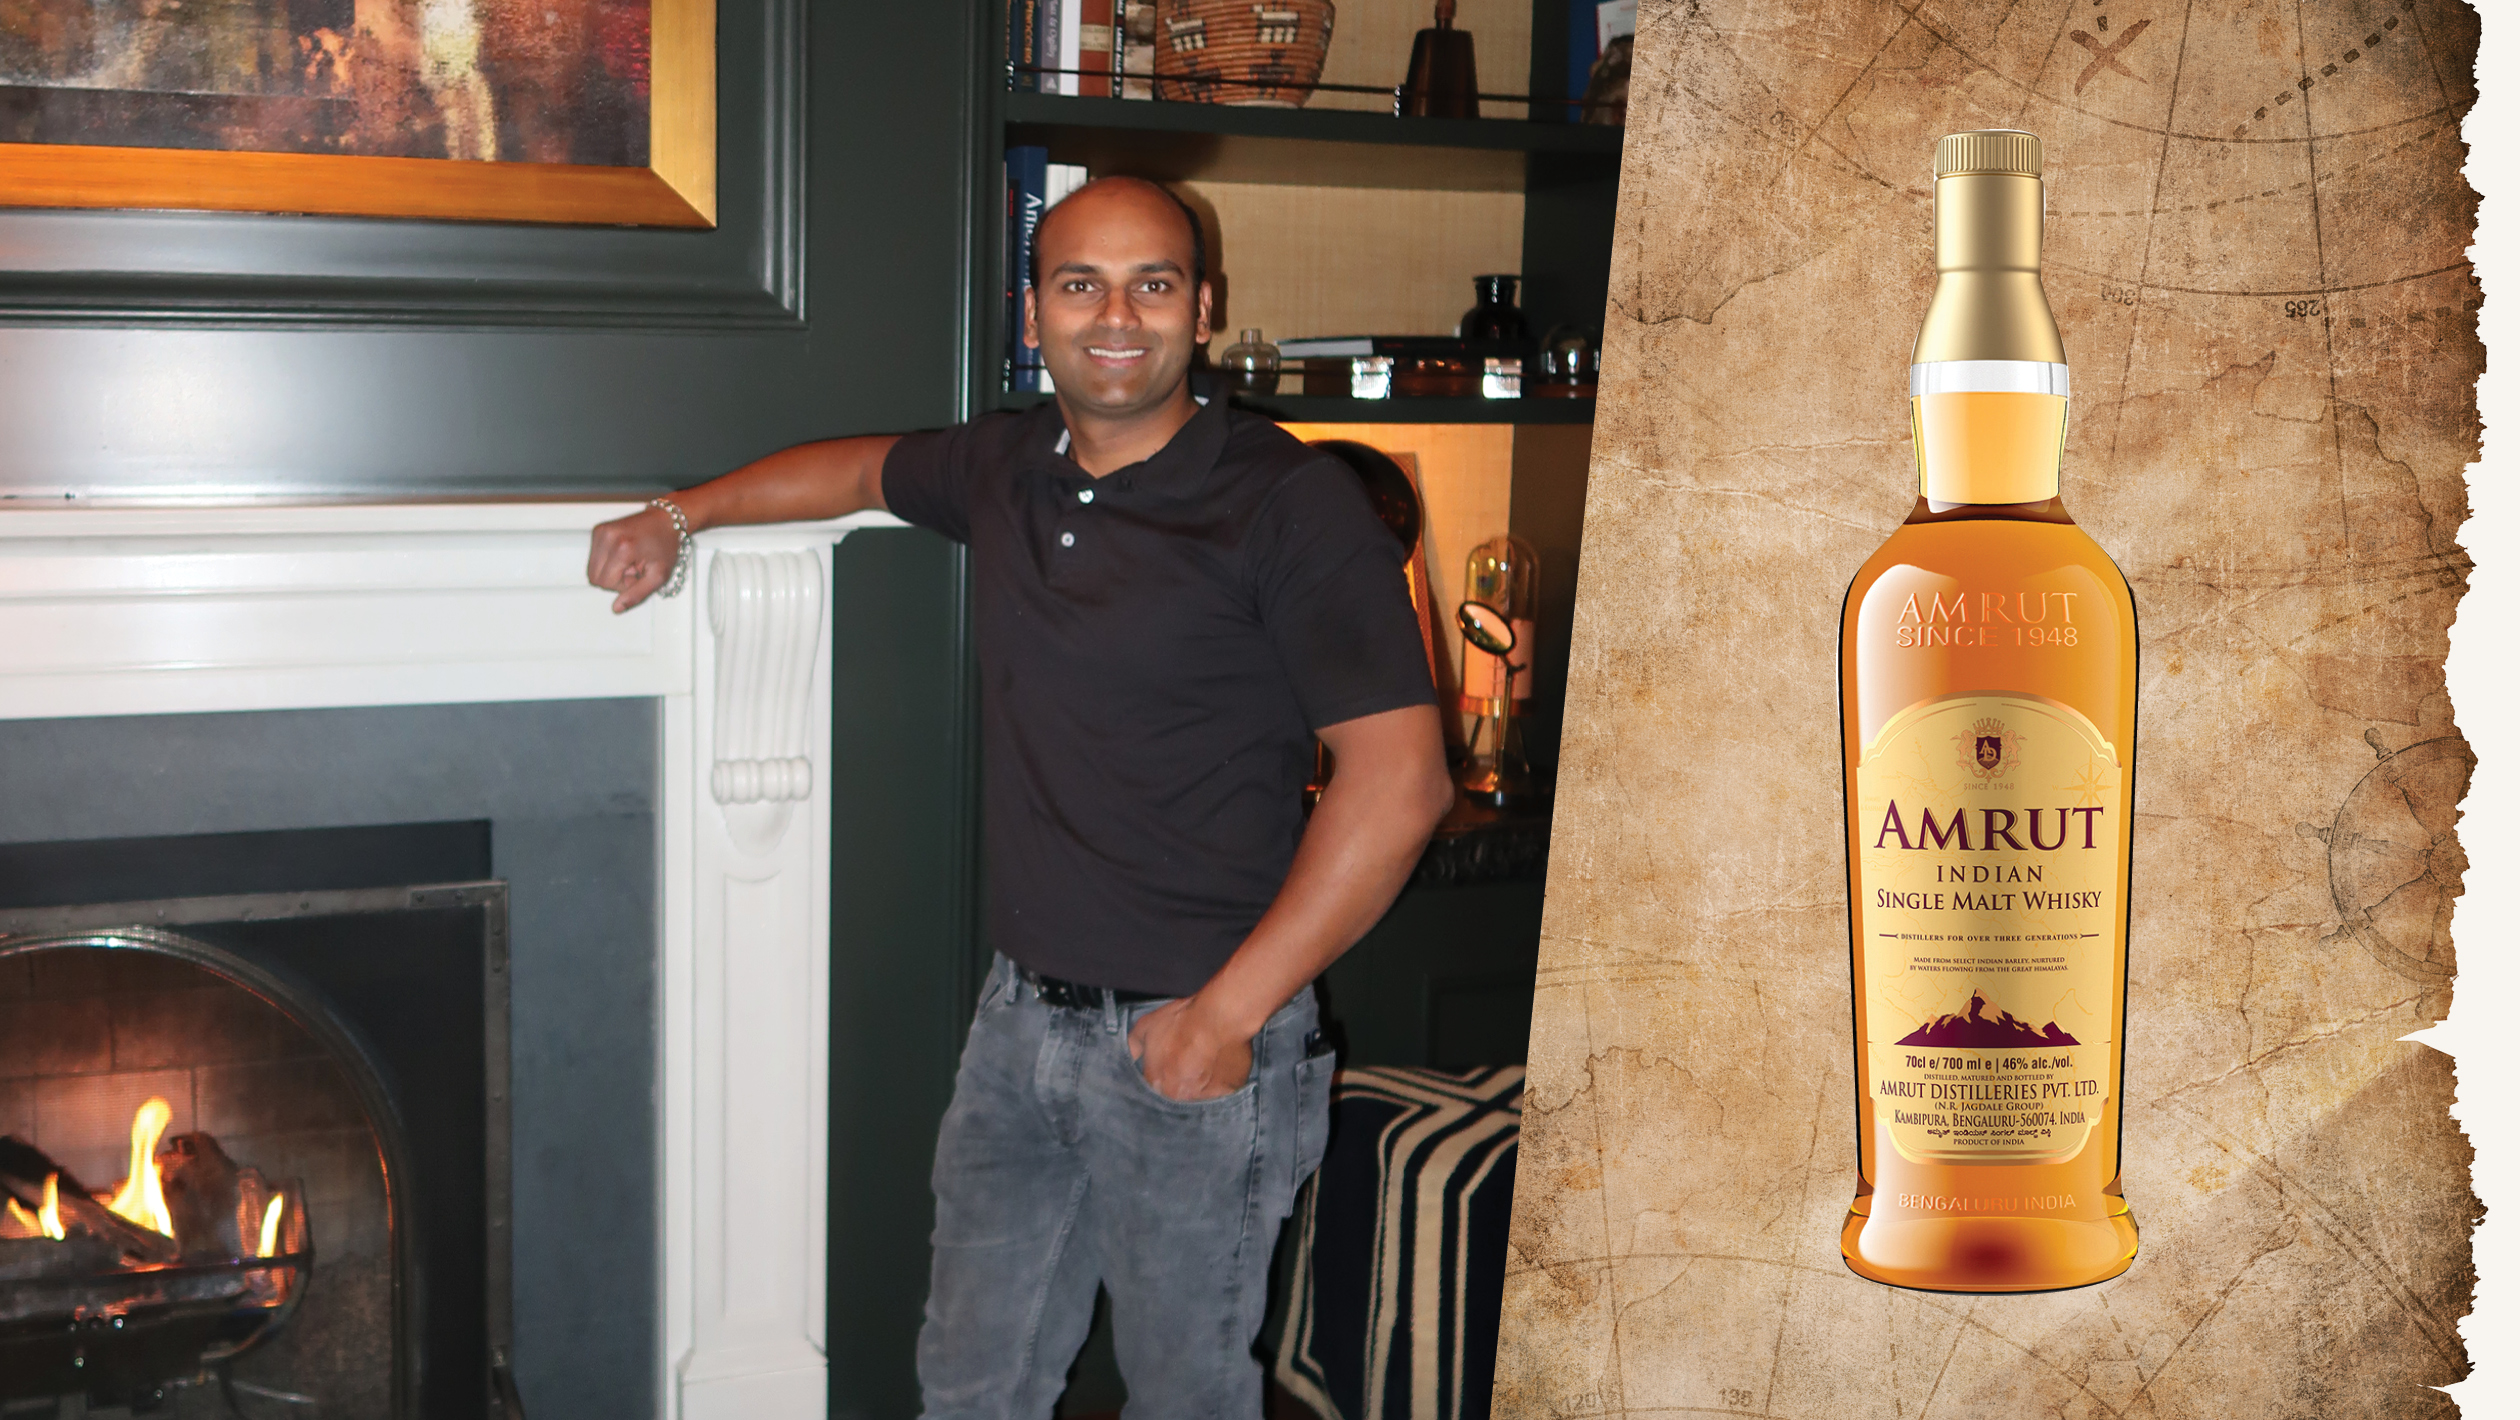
[(1067, 539), (1084, 495)]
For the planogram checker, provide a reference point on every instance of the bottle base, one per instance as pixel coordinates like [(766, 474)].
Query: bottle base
[(1988, 1254)]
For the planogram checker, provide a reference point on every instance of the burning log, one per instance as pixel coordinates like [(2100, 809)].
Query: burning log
[(45, 1259), (34, 1243), (202, 1199), (36, 1186), (23, 1166), (65, 1252)]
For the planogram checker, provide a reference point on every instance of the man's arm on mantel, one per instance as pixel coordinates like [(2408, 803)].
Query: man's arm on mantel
[(830, 478), (1389, 789)]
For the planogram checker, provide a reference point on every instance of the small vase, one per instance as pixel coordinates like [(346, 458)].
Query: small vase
[(1249, 366), (1443, 71), (1495, 320)]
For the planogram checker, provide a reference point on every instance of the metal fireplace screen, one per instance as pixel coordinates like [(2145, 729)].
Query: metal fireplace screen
[(253, 1155)]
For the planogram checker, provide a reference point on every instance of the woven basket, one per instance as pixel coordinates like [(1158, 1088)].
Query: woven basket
[(1252, 52)]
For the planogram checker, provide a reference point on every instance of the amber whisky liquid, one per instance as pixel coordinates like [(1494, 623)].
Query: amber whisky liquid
[(1987, 674)]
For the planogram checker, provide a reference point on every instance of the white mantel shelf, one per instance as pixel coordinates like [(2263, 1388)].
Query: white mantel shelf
[(165, 608)]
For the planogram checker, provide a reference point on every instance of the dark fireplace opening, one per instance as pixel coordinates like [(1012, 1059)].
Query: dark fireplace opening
[(254, 1145)]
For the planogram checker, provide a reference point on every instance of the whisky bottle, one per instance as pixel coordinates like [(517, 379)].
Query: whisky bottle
[(1987, 704)]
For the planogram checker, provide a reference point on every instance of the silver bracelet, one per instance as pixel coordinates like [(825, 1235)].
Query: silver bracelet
[(682, 555)]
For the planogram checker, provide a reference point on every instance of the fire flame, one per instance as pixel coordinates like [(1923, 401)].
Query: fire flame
[(141, 1200), (142, 1197), (16, 1222)]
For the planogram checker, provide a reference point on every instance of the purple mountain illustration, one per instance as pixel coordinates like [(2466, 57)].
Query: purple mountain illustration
[(1975, 1031)]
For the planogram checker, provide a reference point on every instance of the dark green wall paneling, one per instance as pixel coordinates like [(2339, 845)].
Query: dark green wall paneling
[(902, 978)]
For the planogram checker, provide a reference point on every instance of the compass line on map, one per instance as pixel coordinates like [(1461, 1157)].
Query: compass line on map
[(2292, 190), (2308, 80), (1601, 1153), (2318, 243), (1840, 101), (2143, 267), (2011, 8), (2056, 41), (2423, 37), (1910, 8), (2098, 275)]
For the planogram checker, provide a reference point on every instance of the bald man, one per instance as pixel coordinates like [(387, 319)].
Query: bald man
[(1170, 600)]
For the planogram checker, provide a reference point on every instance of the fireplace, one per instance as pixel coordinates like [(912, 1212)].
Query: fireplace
[(656, 793), (254, 1146)]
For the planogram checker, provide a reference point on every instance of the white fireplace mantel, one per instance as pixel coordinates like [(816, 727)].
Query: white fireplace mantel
[(164, 608)]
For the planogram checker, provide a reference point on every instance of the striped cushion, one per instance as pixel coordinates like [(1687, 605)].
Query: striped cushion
[(1400, 1246)]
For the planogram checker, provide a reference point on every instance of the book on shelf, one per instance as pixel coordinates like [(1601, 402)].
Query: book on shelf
[(1034, 185), (1063, 46), (1137, 48), (1027, 197), (1098, 71), (1022, 44), (1046, 41), (1047, 44), (1071, 46), (1583, 49)]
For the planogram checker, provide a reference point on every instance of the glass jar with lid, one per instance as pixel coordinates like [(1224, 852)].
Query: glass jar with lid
[(1249, 365)]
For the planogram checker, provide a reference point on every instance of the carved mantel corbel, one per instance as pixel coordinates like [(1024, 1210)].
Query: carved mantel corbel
[(765, 614)]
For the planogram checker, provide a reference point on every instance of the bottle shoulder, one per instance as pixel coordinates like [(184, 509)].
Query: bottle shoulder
[(1956, 606), (1981, 549)]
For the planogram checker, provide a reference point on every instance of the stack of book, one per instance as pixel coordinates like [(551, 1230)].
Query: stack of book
[(1063, 47), (1034, 185)]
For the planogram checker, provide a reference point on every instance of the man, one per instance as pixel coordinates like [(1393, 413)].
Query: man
[(1170, 601)]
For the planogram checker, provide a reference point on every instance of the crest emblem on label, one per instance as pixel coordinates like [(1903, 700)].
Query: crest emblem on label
[(1989, 750)]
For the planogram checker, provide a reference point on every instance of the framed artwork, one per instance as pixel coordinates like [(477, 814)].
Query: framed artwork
[(568, 111)]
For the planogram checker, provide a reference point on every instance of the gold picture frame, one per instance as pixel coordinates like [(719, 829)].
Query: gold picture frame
[(678, 187)]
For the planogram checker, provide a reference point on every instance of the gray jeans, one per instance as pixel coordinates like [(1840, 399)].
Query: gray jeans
[(1059, 1167)]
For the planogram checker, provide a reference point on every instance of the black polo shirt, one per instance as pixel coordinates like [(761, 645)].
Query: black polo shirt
[(1156, 648)]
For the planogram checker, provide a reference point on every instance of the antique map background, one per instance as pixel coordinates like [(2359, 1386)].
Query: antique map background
[(2256, 251)]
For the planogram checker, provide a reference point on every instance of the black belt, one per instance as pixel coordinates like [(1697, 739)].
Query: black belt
[(1076, 995)]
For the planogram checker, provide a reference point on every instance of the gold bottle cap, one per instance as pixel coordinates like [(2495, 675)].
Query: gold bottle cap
[(1988, 201), (1988, 150)]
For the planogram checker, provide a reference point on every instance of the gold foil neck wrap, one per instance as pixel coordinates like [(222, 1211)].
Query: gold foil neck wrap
[(1988, 150)]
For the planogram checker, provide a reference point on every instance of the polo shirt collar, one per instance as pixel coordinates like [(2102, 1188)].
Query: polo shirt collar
[(1178, 466)]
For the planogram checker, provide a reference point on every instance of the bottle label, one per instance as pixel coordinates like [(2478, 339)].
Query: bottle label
[(1990, 894)]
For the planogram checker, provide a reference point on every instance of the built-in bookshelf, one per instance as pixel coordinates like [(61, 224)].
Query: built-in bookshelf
[(1334, 220)]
